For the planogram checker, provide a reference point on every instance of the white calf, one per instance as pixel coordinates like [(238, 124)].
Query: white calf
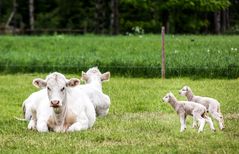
[(93, 89), (212, 105), (184, 108)]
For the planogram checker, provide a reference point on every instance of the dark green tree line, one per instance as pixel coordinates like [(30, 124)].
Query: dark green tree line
[(120, 16)]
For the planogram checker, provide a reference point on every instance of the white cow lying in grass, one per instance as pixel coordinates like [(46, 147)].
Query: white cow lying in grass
[(93, 88), (71, 109)]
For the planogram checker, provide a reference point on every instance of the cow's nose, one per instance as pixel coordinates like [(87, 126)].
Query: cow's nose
[(55, 102)]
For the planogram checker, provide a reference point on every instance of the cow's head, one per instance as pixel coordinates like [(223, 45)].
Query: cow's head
[(56, 85), (94, 74)]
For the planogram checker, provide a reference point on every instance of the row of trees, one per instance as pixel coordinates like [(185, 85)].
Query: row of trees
[(119, 16)]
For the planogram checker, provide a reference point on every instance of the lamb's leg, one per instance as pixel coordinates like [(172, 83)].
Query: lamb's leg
[(209, 121), (219, 118), (222, 126), (183, 122), (185, 127), (201, 123), (194, 122)]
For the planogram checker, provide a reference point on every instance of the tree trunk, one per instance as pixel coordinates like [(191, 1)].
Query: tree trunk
[(227, 19), (12, 15), (0, 8), (114, 18), (223, 14), (217, 22), (97, 22), (31, 14), (14, 18), (206, 19), (99, 16)]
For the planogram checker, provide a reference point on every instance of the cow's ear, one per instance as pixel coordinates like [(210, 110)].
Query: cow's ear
[(84, 76), (39, 83), (73, 82), (105, 76)]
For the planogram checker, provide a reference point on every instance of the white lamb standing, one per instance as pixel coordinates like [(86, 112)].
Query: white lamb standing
[(212, 105), (93, 88), (65, 108), (184, 108)]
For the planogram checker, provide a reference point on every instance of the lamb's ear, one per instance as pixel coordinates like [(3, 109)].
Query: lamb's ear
[(73, 82), (84, 76), (170, 94), (39, 83), (187, 88), (105, 76)]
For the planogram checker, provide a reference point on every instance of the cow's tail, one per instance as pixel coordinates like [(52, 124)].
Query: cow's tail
[(24, 118), (19, 119)]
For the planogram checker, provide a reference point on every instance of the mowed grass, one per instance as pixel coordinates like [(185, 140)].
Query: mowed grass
[(138, 121), (186, 55)]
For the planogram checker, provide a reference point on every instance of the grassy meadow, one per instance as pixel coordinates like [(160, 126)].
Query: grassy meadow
[(186, 55), (138, 121)]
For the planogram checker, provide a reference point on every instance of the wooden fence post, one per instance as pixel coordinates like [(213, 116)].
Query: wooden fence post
[(163, 55)]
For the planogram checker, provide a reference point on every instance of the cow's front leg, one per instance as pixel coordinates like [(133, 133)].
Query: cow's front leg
[(42, 126), (32, 124), (82, 123)]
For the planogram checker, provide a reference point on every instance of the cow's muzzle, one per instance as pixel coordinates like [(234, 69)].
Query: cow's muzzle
[(55, 103)]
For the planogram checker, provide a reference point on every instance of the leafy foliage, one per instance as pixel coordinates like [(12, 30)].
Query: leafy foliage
[(185, 16), (200, 5)]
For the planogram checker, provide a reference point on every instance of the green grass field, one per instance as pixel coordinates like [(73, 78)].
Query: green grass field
[(138, 121), (186, 55)]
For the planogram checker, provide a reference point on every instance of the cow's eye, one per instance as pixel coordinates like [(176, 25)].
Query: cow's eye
[(62, 89), (48, 88)]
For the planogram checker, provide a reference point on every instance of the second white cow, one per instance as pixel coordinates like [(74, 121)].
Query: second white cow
[(93, 88)]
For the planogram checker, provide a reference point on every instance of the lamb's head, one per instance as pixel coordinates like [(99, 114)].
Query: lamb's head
[(93, 74), (168, 97), (56, 85), (185, 90)]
